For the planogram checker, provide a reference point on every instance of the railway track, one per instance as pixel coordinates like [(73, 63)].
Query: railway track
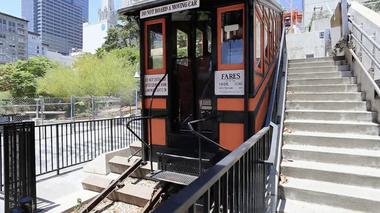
[(121, 194)]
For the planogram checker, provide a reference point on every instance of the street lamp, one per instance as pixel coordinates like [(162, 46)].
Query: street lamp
[(137, 77)]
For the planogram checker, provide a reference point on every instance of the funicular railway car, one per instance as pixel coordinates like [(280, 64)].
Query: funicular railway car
[(206, 74)]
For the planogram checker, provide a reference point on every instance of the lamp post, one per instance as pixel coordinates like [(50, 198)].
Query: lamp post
[(137, 77)]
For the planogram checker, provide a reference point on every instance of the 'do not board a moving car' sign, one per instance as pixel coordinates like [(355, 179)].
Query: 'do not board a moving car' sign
[(169, 8), (151, 81)]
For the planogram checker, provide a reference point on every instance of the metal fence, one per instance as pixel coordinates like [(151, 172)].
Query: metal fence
[(51, 110), (18, 177), (63, 145), (59, 146)]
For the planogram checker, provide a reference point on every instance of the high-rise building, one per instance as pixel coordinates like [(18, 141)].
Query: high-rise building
[(84, 5), (59, 22), (94, 34), (13, 38)]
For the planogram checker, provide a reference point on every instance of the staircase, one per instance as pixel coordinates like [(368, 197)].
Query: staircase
[(331, 151)]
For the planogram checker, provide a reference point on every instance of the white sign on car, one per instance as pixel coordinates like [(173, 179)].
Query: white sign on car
[(151, 81), (169, 8), (229, 82)]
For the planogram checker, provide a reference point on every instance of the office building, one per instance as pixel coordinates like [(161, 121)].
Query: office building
[(35, 45), (59, 22), (13, 38)]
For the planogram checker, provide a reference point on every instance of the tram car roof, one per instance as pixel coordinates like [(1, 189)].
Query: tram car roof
[(134, 6)]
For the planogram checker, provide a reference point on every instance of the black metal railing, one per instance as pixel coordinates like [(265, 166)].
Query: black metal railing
[(235, 184), (203, 138), (18, 177), (63, 145)]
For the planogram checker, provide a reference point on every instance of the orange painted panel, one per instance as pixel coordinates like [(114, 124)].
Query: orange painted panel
[(262, 112), (231, 135), (159, 131), (252, 103), (158, 103), (230, 104)]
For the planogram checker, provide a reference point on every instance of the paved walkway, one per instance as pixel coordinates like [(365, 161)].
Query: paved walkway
[(58, 193)]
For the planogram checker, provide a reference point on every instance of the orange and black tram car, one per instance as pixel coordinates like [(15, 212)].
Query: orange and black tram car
[(206, 75)]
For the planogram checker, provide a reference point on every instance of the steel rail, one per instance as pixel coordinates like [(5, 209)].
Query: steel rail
[(370, 55), (111, 188), (374, 43), (376, 87)]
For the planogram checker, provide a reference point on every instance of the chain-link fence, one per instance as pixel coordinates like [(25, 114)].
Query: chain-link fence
[(44, 110)]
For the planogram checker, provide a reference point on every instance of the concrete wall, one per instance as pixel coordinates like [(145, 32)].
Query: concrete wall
[(299, 45), (305, 43), (370, 22)]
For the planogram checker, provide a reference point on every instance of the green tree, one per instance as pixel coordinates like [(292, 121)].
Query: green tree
[(20, 77), (125, 34), (91, 75)]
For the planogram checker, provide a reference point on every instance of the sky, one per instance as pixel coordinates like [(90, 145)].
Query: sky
[(13, 7)]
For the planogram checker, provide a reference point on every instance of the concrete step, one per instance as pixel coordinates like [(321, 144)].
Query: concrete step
[(327, 105), (333, 140), (338, 195), (295, 206), (324, 88), (119, 164), (134, 147), (318, 69), (342, 156), (335, 74), (322, 81), (330, 115), (320, 59), (96, 183), (316, 64), (332, 127), (132, 193), (320, 96), (332, 173)]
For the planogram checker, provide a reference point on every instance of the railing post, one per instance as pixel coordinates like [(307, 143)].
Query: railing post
[(42, 110), (112, 139), (374, 54), (57, 147), (72, 108), (37, 108), (344, 10), (92, 107)]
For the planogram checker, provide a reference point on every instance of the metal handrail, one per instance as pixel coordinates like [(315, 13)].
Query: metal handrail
[(366, 51), (189, 195), (138, 137), (275, 81), (376, 87), (374, 60), (374, 43), (200, 135), (190, 125)]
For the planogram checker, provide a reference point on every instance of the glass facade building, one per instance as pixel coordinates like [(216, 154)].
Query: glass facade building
[(59, 22)]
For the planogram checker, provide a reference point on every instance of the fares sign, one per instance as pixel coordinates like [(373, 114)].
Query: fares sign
[(229, 82), (170, 8)]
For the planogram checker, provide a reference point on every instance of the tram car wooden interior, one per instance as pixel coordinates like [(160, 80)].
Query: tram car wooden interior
[(207, 64)]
